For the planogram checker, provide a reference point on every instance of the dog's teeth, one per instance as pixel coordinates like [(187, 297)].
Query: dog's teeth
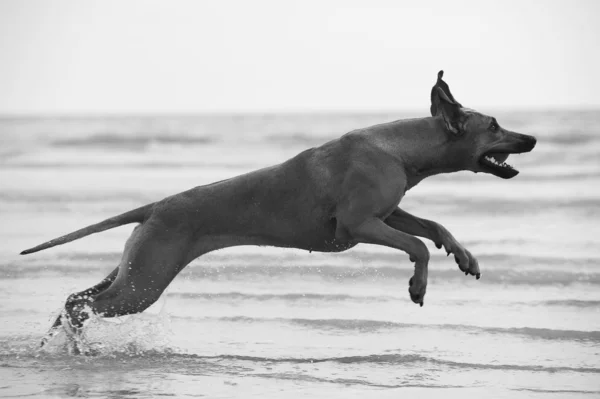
[(494, 161)]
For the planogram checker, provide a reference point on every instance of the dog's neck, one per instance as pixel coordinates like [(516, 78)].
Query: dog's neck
[(423, 146)]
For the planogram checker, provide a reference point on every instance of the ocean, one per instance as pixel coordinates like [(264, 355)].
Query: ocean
[(274, 323)]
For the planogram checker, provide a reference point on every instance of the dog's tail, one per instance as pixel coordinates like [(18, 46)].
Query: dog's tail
[(135, 216)]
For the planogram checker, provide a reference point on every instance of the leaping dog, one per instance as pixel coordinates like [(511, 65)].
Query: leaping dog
[(328, 199)]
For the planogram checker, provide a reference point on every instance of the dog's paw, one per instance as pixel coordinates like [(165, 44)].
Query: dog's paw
[(417, 288), (466, 262)]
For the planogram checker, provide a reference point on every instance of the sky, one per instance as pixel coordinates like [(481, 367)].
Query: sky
[(88, 57)]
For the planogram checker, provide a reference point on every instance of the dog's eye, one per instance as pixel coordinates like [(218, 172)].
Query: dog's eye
[(494, 126)]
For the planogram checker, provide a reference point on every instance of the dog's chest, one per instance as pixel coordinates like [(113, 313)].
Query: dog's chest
[(390, 195)]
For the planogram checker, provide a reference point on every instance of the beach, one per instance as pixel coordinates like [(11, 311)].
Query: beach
[(271, 322)]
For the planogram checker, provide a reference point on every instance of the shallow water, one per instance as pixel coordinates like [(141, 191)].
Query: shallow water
[(269, 322)]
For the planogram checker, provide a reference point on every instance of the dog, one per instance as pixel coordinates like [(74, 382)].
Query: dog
[(328, 199)]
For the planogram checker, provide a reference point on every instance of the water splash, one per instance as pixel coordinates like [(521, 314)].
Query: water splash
[(132, 335)]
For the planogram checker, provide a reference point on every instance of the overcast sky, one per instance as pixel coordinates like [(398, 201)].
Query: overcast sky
[(237, 55)]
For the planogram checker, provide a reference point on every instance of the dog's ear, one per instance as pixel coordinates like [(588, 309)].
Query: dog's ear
[(443, 103)]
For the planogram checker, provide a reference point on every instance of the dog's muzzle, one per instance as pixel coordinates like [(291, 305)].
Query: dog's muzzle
[(494, 159)]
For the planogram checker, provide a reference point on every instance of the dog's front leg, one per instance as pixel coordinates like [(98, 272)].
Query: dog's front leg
[(404, 221), (375, 231)]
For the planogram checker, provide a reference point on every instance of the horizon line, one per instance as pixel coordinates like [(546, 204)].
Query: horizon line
[(255, 112)]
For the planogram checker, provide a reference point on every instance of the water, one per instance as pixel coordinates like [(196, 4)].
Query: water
[(276, 323)]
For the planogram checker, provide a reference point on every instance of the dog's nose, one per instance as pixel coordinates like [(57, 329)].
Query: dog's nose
[(533, 141), (527, 141), (523, 142)]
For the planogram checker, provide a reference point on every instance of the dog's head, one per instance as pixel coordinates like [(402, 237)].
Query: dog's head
[(480, 142)]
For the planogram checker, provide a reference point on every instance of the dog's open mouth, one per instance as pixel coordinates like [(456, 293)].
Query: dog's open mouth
[(495, 163)]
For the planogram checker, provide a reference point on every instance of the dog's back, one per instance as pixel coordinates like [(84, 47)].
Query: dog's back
[(289, 205)]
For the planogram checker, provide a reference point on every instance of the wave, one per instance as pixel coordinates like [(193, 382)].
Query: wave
[(474, 205), (403, 359), (532, 176), (350, 381), (327, 273), (119, 198), (506, 206), (291, 297), (363, 325), (569, 302), (110, 140), (132, 164), (166, 357), (573, 137), (222, 261), (564, 128), (576, 391), (569, 137), (429, 385), (116, 201), (311, 296), (300, 139)]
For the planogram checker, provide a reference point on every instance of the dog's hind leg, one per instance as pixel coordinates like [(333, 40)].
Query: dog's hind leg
[(153, 256), (72, 300), (404, 221)]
